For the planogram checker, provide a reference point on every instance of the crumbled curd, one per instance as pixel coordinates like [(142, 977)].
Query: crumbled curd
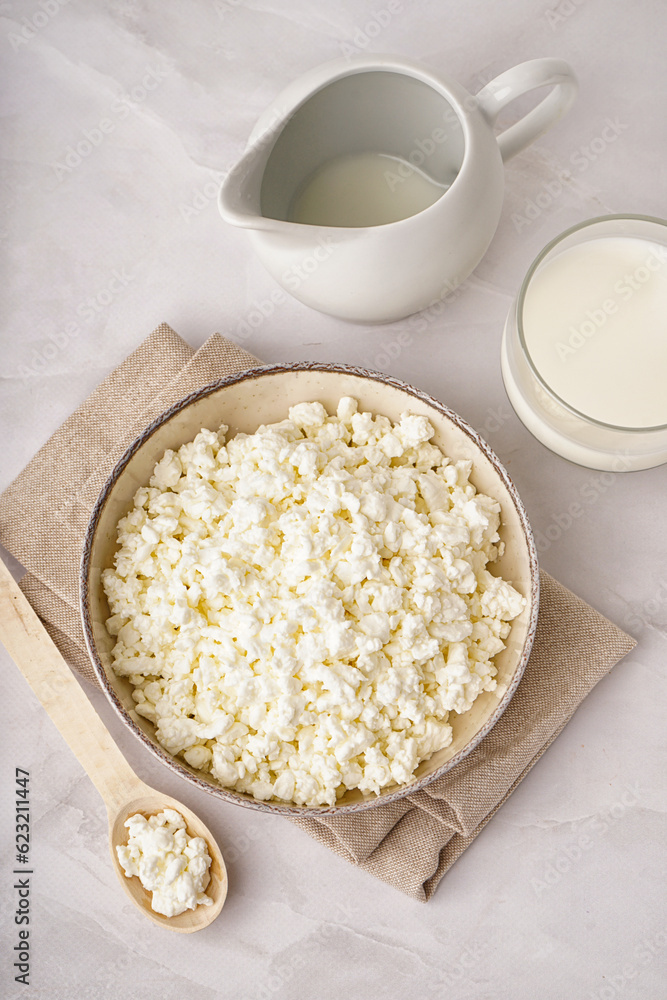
[(301, 608), (171, 865)]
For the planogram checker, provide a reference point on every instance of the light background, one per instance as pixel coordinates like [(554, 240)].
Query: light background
[(525, 912)]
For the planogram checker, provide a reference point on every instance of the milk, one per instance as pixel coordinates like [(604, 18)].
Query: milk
[(595, 327), (363, 189)]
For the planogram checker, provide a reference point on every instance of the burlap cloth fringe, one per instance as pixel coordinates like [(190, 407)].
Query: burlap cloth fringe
[(411, 843)]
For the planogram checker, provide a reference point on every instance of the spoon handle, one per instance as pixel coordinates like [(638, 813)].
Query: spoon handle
[(32, 649)]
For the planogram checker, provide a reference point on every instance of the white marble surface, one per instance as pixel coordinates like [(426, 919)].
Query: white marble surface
[(527, 911)]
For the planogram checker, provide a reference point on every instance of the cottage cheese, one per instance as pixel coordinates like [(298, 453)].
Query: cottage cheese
[(301, 608), (171, 865)]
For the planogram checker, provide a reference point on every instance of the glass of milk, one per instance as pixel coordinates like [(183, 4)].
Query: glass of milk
[(584, 352)]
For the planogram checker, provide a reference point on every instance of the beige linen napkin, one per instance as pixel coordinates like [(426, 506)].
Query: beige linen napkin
[(410, 843)]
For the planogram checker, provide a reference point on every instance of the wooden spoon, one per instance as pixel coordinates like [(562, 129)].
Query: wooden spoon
[(124, 794)]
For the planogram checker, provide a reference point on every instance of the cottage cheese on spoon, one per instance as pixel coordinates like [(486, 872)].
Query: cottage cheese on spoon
[(171, 865)]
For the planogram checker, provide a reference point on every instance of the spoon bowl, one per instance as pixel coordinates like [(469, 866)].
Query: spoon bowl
[(124, 794), (148, 804)]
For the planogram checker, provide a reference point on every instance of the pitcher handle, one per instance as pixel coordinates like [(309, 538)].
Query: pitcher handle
[(519, 80)]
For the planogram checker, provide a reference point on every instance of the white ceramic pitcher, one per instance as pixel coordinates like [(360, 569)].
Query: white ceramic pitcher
[(381, 104)]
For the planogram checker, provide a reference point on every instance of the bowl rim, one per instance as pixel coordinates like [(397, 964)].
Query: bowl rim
[(292, 809)]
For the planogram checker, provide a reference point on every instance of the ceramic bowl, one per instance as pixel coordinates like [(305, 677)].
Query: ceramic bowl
[(263, 395)]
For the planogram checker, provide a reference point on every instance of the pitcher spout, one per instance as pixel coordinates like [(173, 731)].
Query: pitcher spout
[(240, 196)]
